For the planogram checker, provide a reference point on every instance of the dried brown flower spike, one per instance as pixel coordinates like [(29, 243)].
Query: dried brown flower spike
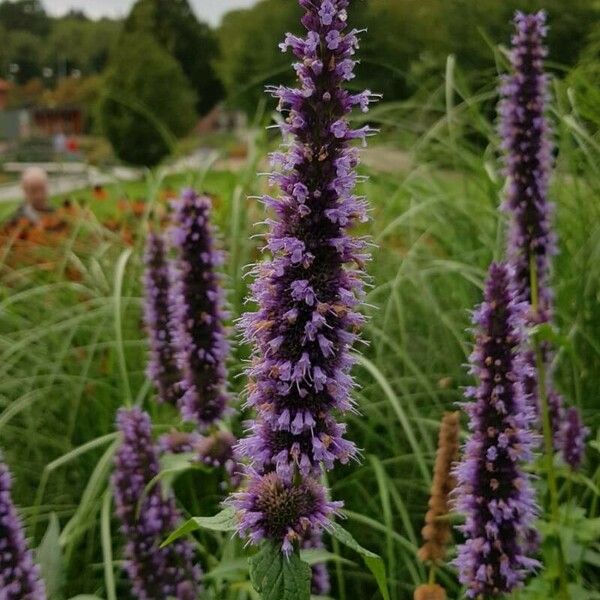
[(430, 592), (436, 532)]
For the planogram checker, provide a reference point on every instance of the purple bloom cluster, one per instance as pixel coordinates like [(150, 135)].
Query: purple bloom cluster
[(493, 492), (162, 366), (321, 584), (309, 289), (19, 575), (528, 158), (147, 517), (574, 434), (285, 512), (527, 144), (197, 312)]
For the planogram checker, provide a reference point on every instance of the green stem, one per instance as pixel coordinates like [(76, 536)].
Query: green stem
[(548, 433), (432, 574)]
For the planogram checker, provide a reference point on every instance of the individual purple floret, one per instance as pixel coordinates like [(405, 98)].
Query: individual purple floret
[(271, 508), (528, 158), (19, 575), (309, 288), (321, 584), (493, 492), (574, 435), (147, 518), (197, 313), (162, 366)]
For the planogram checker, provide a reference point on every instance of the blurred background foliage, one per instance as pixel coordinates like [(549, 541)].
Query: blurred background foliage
[(403, 56)]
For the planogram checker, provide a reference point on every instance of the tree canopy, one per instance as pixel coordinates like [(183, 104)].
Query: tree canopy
[(193, 44), (148, 102)]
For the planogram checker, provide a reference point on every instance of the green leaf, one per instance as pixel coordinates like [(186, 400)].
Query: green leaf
[(372, 560), (226, 520), (173, 465), (49, 557), (86, 597), (277, 577), (315, 556)]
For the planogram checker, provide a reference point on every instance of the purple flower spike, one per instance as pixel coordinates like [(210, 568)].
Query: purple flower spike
[(321, 584), (274, 509), (197, 312), (19, 575), (309, 288), (574, 435), (147, 517), (494, 493), (527, 144), (528, 158), (162, 366)]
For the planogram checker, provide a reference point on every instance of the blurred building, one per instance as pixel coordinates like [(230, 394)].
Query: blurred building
[(4, 88)]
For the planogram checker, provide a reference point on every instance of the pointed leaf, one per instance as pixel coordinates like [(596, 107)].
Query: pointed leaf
[(277, 577), (372, 560), (226, 520), (49, 557)]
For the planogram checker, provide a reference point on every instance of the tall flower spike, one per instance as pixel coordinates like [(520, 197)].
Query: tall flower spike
[(321, 584), (162, 365), (574, 435), (436, 532), (528, 159), (19, 575), (308, 290), (147, 517), (197, 313), (494, 493), (527, 146)]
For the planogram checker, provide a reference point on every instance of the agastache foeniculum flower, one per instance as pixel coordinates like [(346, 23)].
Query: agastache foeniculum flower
[(162, 365), (19, 575), (574, 434), (147, 518), (197, 313), (527, 149), (271, 508), (494, 492), (309, 289), (320, 583), (526, 135)]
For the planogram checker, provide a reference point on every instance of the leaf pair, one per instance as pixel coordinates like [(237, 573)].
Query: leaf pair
[(275, 576)]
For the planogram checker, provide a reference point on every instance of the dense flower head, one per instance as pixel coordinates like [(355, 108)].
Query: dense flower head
[(275, 509), (19, 575), (309, 288), (436, 532), (574, 434), (197, 313), (148, 516), (494, 493), (162, 366), (528, 157)]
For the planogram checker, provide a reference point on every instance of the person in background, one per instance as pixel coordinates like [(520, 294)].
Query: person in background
[(35, 207)]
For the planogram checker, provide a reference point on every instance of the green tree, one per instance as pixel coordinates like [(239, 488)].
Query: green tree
[(250, 57), (23, 52), (24, 15), (192, 43), (147, 102), (79, 43)]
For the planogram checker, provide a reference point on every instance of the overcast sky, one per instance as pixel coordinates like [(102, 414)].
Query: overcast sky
[(207, 10)]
